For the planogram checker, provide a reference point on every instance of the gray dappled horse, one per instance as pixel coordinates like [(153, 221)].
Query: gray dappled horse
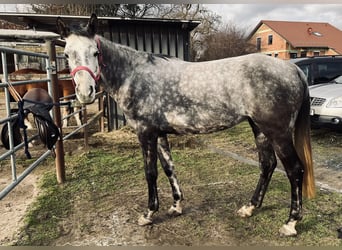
[(160, 95)]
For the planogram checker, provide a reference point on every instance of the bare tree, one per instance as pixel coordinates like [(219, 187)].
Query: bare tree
[(228, 41), (210, 23), (8, 25), (122, 10)]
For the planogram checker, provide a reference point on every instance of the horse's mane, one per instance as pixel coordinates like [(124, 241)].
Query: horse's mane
[(152, 57), (79, 29)]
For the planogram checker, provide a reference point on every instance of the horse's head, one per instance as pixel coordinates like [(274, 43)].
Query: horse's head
[(82, 52)]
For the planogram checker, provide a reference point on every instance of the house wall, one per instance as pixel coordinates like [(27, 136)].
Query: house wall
[(281, 48)]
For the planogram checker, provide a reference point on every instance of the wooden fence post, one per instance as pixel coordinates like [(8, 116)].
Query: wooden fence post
[(59, 161)]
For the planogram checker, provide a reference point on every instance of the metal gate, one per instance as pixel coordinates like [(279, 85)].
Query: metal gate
[(49, 39)]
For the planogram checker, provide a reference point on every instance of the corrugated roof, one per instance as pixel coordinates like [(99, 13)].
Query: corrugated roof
[(44, 22), (26, 35), (306, 34)]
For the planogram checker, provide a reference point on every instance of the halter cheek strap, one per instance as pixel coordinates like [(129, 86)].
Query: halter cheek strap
[(98, 74)]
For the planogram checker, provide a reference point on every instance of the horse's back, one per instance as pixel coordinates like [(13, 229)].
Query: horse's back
[(228, 91), (22, 89), (66, 87), (246, 81)]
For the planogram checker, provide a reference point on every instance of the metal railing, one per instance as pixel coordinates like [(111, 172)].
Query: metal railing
[(51, 80)]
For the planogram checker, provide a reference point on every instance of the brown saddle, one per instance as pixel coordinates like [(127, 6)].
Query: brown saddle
[(38, 102)]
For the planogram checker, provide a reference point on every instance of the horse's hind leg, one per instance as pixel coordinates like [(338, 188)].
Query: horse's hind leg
[(165, 158), (267, 162), (295, 172)]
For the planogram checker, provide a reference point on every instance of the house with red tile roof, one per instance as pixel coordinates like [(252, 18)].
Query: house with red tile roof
[(287, 39)]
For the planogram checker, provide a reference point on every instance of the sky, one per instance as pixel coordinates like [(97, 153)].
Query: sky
[(248, 15)]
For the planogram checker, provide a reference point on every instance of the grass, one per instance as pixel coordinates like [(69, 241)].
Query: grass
[(110, 176), (42, 220)]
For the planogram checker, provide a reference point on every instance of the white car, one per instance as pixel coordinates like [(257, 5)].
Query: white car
[(326, 104)]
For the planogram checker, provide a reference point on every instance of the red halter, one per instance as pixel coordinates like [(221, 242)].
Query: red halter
[(98, 74)]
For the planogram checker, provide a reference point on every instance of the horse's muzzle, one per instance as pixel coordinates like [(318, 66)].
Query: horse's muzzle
[(85, 94)]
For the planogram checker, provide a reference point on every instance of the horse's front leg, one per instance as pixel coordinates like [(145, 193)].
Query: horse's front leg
[(66, 112), (165, 158), (78, 116), (148, 142)]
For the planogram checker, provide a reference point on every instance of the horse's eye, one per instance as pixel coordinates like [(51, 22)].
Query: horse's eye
[(96, 53), (66, 55)]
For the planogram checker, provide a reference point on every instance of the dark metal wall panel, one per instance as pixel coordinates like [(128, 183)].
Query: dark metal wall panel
[(157, 38)]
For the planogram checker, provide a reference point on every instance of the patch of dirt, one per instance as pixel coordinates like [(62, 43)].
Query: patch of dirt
[(101, 229), (116, 225), (14, 206)]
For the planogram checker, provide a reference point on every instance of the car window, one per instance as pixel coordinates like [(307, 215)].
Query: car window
[(306, 68), (327, 71), (338, 80)]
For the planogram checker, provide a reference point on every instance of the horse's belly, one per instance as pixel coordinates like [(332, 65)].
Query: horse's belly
[(203, 122)]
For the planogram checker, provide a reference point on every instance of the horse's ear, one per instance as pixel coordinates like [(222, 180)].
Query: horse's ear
[(62, 28), (92, 25)]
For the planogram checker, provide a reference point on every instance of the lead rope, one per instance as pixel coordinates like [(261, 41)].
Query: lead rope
[(21, 115), (13, 92)]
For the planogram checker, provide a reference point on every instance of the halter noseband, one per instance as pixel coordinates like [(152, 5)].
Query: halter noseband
[(98, 75)]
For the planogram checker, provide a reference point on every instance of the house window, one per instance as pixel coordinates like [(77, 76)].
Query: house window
[(275, 54), (303, 53), (316, 53), (270, 39), (258, 43), (293, 55)]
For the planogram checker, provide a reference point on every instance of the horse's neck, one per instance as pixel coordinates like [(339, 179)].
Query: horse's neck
[(118, 63)]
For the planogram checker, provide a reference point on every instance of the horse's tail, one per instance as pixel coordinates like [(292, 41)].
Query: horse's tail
[(303, 142)]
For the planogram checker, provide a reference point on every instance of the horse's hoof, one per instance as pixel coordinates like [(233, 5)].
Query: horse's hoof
[(175, 210), (143, 221), (288, 229), (246, 211)]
